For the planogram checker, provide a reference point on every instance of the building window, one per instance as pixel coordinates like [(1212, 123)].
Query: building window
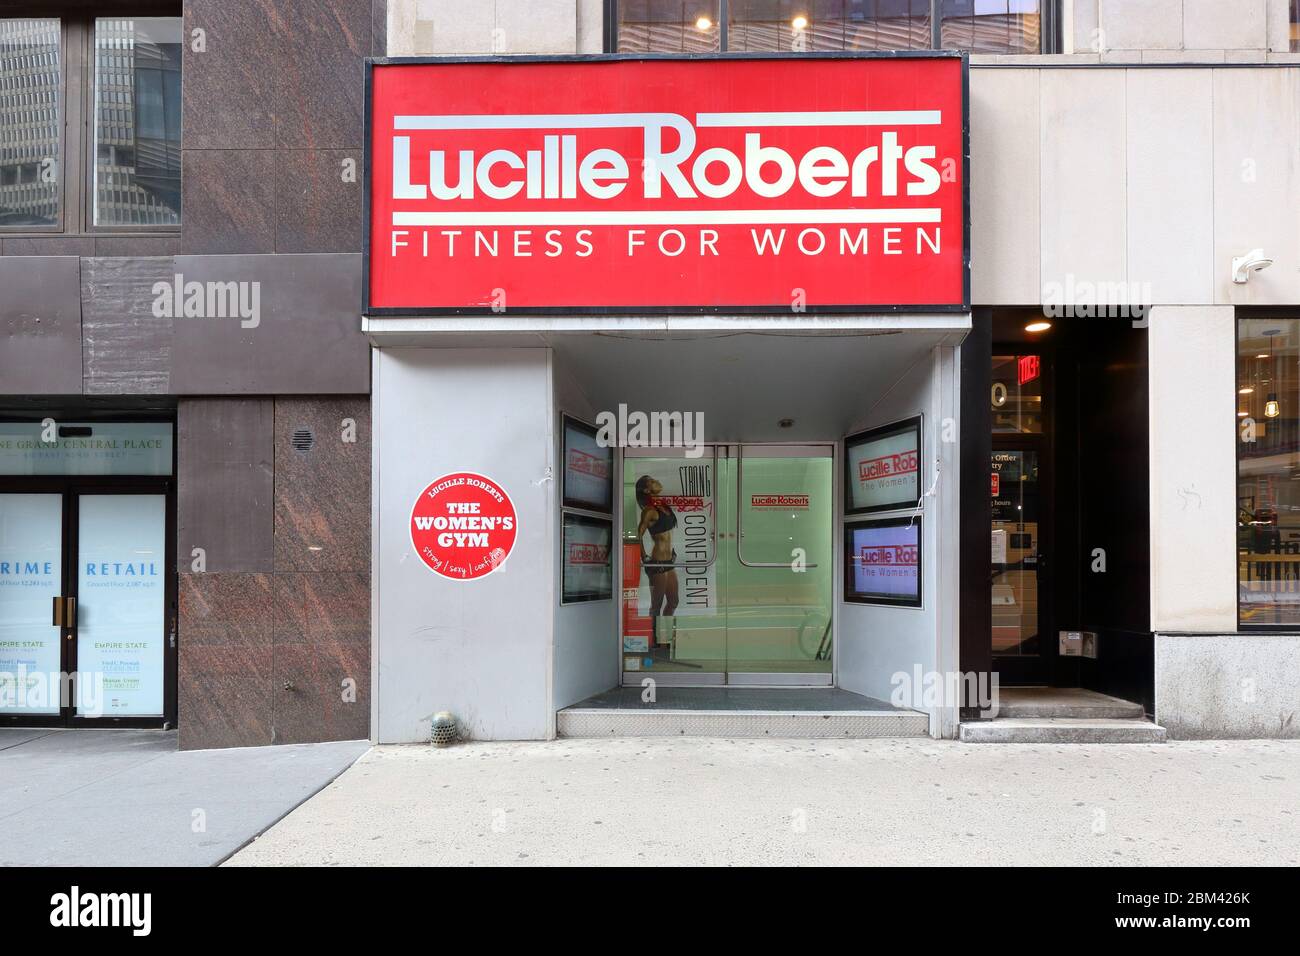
[(812, 26), (1295, 26), (90, 124), (992, 26), (30, 122), (137, 121), (1268, 471)]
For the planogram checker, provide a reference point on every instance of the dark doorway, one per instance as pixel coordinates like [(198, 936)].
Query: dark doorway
[(1069, 493)]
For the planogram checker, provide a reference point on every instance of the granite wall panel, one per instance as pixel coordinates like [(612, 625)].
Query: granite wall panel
[(229, 200), (40, 326), (226, 486), (318, 200), (322, 485), (319, 101), (278, 649), (229, 91), (307, 337), (225, 660), (126, 348)]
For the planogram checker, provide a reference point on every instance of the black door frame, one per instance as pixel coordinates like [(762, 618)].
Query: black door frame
[(70, 487), (1040, 668)]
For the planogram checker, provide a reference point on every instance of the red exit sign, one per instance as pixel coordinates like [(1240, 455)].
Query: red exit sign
[(1030, 367), (673, 185)]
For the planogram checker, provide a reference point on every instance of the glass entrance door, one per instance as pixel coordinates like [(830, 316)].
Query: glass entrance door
[(84, 593), (727, 565), (31, 578)]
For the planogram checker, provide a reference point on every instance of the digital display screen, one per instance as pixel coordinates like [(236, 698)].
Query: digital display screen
[(882, 468), (588, 574), (588, 469), (882, 562)]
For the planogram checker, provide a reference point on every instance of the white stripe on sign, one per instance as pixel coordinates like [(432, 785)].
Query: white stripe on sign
[(622, 120), (828, 118), (613, 217)]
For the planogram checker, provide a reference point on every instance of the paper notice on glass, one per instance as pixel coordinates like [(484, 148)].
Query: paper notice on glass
[(999, 546)]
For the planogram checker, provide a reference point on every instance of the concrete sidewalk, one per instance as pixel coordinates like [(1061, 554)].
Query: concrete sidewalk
[(129, 798), (874, 802)]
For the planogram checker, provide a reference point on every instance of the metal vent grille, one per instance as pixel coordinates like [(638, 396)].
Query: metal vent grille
[(303, 439)]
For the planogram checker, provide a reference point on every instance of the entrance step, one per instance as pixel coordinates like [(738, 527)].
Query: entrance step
[(1062, 730), (802, 713), (1076, 702)]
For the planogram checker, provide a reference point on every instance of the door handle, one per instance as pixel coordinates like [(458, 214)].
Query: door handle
[(64, 611)]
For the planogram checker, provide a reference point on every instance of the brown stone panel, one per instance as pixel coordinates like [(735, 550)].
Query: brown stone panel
[(47, 246), (309, 688), (229, 201), (379, 28), (228, 95), (40, 326), (322, 607), (316, 209), (319, 100), (226, 488), (322, 493), (138, 245), (225, 660), (307, 338)]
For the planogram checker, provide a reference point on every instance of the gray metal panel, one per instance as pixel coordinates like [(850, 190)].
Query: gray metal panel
[(225, 503), (126, 349), (40, 326), (308, 339)]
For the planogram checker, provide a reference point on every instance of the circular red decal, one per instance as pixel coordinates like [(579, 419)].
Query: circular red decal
[(463, 526)]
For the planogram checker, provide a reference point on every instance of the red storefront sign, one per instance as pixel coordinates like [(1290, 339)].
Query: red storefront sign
[(995, 484), (463, 526), (1028, 368), (685, 185)]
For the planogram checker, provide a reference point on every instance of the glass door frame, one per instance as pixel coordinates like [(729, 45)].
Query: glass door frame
[(735, 450), (1035, 669), (70, 487)]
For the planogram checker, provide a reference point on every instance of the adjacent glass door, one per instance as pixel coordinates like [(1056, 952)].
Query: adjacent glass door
[(31, 578), (727, 565), (84, 599)]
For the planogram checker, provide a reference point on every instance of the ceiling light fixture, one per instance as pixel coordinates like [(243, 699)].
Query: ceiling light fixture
[(1039, 326), (800, 22), (704, 23)]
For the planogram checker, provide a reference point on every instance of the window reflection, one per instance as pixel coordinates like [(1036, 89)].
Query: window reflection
[(992, 26), (1015, 552), (669, 26), (1268, 471), (137, 121), (1016, 394), (29, 122), (796, 26)]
